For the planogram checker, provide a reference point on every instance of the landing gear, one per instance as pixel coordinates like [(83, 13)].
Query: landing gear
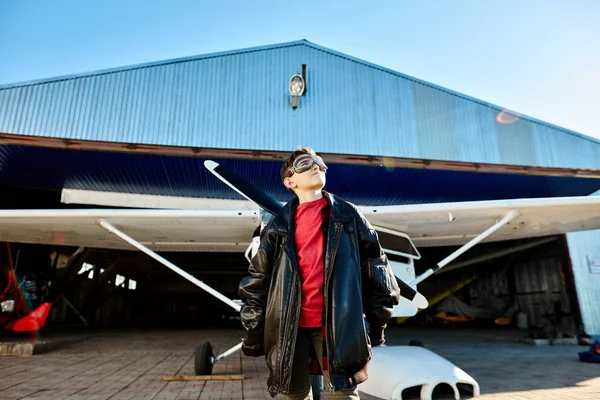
[(204, 360)]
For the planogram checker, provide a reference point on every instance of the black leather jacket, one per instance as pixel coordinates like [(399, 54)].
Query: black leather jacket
[(359, 284)]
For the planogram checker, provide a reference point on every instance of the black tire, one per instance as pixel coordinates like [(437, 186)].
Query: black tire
[(203, 360), (315, 385), (414, 342)]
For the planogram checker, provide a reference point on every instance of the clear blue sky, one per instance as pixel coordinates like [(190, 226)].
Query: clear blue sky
[(537, 57)]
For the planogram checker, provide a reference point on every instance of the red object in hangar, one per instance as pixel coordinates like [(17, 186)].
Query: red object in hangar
[(15, 312)]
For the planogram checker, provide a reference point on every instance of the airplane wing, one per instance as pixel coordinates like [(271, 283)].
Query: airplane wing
[(160, 230), (231, 230), (450, 224)]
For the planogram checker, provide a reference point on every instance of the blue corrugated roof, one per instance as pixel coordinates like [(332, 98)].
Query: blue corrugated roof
[(239, 100), (186, 176)]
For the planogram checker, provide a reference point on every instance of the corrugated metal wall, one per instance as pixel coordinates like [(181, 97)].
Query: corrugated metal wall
[(239, 100), (539, 286), (584, 250)]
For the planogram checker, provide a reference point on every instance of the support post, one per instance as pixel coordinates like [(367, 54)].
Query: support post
[(484, 235), (229, 352)]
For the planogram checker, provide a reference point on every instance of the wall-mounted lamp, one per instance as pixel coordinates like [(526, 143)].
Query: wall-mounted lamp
[(297, 87)]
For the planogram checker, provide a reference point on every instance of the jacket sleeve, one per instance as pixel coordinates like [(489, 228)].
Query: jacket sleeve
[(253, 289), (380, 290)]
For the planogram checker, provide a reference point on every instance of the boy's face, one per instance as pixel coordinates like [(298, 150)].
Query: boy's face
[(310, 180)]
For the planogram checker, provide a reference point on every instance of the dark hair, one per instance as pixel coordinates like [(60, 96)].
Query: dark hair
[(290, 160)]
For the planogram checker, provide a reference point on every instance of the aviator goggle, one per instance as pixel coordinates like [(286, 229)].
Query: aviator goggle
[(304, 163)]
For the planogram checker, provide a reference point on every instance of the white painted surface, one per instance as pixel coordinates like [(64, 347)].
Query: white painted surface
[(396, 368), (406, 272), (160, 230), (428, 224), (130, 200)]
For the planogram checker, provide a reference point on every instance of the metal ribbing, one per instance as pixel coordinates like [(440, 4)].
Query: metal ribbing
[(240, 100)]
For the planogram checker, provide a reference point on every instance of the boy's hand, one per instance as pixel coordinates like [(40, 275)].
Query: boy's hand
[(376, 334), (253, 345)]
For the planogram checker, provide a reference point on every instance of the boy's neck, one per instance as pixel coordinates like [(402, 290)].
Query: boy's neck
[(309, 195)]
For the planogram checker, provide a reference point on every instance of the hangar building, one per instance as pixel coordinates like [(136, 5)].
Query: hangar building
[(137, 137)]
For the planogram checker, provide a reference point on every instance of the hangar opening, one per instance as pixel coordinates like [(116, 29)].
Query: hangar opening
[(522, 285), (120, 289)]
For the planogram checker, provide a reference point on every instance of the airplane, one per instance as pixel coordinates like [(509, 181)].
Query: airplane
[(400, 227)]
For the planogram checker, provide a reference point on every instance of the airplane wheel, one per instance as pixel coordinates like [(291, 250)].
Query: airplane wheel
[(414, 342), (315, 383), (204, 359)]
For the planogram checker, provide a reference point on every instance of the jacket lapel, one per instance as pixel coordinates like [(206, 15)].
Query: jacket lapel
[(283, 225)]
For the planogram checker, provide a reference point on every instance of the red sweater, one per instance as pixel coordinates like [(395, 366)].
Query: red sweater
[(310, 249)]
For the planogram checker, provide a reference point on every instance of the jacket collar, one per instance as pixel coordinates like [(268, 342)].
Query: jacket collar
[(283, 223)]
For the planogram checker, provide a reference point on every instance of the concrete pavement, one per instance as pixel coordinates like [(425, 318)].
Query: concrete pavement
[(128, 365)]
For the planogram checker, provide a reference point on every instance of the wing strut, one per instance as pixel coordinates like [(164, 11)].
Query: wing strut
[(106, 225), (109, 227), (507, 218)]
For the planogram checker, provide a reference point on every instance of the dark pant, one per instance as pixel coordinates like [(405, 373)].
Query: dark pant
[(309, 339)]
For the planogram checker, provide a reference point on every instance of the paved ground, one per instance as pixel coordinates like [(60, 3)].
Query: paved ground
[(131, 365), (508, 370)]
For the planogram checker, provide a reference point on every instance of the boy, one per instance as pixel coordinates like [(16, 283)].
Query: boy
[(320, 289)]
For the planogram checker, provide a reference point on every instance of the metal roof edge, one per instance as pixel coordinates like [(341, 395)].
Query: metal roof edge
[(152, 64)]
